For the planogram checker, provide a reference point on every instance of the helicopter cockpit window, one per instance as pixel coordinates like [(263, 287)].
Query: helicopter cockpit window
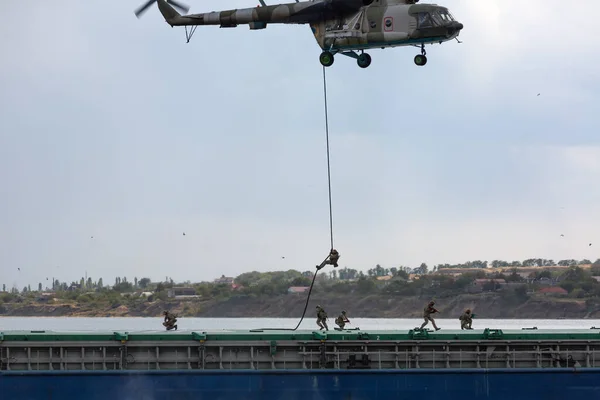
[(437, 19), (424, 20)]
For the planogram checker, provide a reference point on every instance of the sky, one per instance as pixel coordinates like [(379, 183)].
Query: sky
[(115, 128)]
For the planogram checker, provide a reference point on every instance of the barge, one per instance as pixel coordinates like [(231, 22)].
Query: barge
[(491, 364)]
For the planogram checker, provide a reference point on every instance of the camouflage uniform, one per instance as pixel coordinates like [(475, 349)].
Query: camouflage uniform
[(334, 256), (170, 321), (321, 318), (332, 259), (341, 320), (427, 315), (466, 320)]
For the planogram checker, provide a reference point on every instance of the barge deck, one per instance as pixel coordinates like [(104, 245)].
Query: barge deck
[(271, 365)]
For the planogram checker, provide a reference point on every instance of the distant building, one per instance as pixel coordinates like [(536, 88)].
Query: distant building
[(491, 284), (224, 279), (298, 289), (553, 291), (182, 292)]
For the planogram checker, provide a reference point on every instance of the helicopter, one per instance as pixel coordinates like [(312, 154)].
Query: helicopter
[(346, 27)]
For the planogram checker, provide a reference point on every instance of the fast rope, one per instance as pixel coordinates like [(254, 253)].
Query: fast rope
[(330, 212)]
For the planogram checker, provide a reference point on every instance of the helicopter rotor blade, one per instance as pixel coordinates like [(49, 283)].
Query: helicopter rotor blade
[(181, 6), (141, 10)]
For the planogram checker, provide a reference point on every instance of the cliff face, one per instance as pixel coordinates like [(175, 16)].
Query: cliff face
[(365, 306), (378, 306)]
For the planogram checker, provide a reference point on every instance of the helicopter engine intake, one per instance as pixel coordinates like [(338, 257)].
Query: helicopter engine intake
[(350, 4)]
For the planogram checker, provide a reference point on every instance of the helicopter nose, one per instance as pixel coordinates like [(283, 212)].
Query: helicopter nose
[(454, 27)]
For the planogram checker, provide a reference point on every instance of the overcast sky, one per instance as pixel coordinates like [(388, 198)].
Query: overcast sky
[(115, 128)]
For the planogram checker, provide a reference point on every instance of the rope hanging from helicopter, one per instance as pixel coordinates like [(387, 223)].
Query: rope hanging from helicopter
[(323, 263)]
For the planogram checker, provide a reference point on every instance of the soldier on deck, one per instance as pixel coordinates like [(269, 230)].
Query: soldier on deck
[(322, 318), (429, 309), (170, 321), (342, 320), (466, 319)]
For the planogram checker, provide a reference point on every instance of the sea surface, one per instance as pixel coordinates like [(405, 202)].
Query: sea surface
[(145, 324)]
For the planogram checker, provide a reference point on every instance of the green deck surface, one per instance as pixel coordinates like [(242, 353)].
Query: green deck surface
[(275, 335)]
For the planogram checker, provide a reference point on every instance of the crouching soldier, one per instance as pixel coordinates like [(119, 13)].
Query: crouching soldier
[(170, 321), (342, 320), (322, 318), (466, 319)]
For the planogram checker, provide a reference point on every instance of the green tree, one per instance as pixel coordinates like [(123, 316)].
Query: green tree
[(144, 282), (499, 264), (123, 287), (100, 283), (40, 287), (301, 281), (567, 263), (348, 274), (4, 287), (365, 285), (543, 274), (422, 270)]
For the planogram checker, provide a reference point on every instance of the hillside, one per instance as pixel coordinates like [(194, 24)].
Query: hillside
[(489, 305)]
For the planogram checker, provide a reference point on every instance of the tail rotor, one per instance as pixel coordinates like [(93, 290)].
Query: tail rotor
[(141, 10)]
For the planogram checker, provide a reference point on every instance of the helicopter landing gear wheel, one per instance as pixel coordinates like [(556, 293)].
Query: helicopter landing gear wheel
[(364, 60), (420, 60), (326, 59)]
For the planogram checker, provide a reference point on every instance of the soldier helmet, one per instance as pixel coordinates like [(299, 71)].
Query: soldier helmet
[(318, 306), (344, 312), (468, 311), (431, 302), (165, 312)]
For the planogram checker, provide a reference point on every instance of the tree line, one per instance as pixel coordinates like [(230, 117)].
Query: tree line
[(578, 282)]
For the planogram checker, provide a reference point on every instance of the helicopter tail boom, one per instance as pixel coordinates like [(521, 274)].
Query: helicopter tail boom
[(299, 13)]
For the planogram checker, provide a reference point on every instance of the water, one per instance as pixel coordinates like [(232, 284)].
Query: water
[(80, 324)]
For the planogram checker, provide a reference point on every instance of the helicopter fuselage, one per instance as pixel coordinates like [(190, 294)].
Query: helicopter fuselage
[(339, 26), (391, 25)]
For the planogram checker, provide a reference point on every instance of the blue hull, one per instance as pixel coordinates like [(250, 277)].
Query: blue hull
[(496, 384)]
